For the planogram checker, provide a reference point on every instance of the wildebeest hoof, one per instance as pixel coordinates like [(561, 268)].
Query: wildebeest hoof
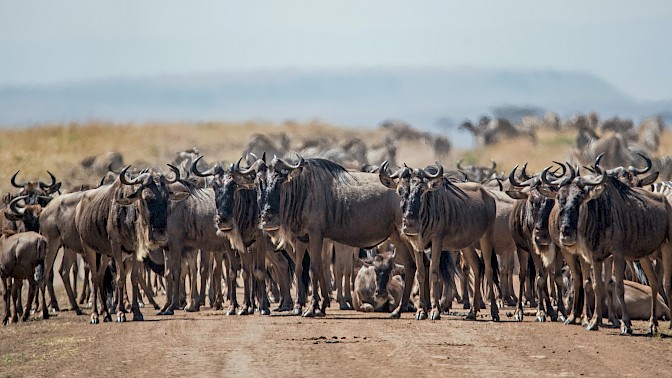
[(593, 326), (466, 305), (470, 316), (107, 318), (435, 315), (421, 315), (500, 303), (231, 311), (309, 313), (653, 329), (561, 318), (394, 315), (243, 311), (168, 311), (192, 309), (15, 319), (344, 307), (320, 313), (94, 319), (626, 330), (541, 317), (78, 311), (518, 316), (5, 321), (297, 311), (157, 307), (264, 311), (138, 317), (121, 317)]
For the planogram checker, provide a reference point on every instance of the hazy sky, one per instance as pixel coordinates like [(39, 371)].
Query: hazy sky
[(625, 42)]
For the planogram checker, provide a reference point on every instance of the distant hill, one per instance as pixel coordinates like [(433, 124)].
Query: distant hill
[(361, 97)]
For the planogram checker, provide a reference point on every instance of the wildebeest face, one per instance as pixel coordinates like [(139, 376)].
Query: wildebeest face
[(28, 214), (541, 211), (383, 265), (570, 198), (270, 198), (410, 224), (225, 189)]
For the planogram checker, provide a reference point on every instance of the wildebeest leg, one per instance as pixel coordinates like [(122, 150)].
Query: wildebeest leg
[(6, 294), (211, 287), (69, 258), (608, 266), (544, 300), (666, 254), (32, 285), (120, 279), (216, 279), (652, 277), (318, 278), (348, 267), (405, 256), (49, 259), (234, 267), (575, 271), (86, 285), (193, 281), (204, 270), (280, 269), (559, 285), (436, 288), (145, 285), (135, 281), (96, 282), (16, 286), (488, 255), (522, 277), (464, 283), (173, 274), (598, 285), (423, 285), (301, 289), (472, 260), (258, 252), (246, 264), (339, 273)]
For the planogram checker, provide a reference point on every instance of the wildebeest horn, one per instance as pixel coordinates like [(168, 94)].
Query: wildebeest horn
[(544, 176), (13, 180), (284, 165), (637, 171), (459, 162), (439, 172), (177, 174), (494, 165), (137, 180), (14, 205), (594, 181), (564, 169), (217, 169), (523, 172), (251, 169), (597, 162), (512, 177), (53, 181)]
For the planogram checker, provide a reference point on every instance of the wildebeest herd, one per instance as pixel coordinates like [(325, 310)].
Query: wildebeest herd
[(406, 239)]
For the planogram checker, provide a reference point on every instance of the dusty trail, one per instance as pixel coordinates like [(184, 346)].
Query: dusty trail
[(344, 343)]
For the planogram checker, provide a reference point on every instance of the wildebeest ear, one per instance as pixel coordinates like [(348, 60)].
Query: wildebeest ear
[(388, 181), (516, 194), (125, 201), (650, 179), (595, 192), (398, 270), (55, 188), (434, 184), (7, 198), (294, 173), (11, 216), (178, 196), (547, 192)]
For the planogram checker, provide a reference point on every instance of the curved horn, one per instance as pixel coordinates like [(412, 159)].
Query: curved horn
[(217, 169), (597, 162), (13, 181), (13, 205), (523, 172), (177, 174), (438, 174), (637, 171), (459, 166), (251, 169), (53, 181), (494, 165), (544, 176), (512, 177), (564, 169), (124, 180), (284, 165)]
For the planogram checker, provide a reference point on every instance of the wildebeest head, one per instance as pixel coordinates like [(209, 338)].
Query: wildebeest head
[(28, 214), (36, 192), (270, 187), (630, 175), (384, 267), (421, 184), (153, 193), (399, 181), (571, 192), (538, 207)]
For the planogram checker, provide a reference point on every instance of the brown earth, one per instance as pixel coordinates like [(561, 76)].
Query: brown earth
[(343, 343)]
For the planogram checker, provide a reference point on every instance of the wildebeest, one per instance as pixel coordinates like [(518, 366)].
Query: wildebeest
[(378, 285), (124, 218), (22, 258), (236, 218), (316, 199), (444, 216), (601, 217)]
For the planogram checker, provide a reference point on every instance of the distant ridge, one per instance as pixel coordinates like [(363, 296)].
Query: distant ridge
[(355, 97)]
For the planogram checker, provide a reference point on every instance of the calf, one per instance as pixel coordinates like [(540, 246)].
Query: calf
[(378, 286)]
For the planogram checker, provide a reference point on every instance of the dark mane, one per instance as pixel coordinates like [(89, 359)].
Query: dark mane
[(315, 184)]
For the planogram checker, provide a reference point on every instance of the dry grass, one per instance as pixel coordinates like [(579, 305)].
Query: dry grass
[(60, 148)]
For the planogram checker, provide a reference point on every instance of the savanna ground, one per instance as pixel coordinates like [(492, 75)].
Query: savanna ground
[(342, 343)]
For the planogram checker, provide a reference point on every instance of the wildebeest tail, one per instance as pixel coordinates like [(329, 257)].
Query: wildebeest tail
[(448, 269), (156, 268), (290, 262), (639, 273)]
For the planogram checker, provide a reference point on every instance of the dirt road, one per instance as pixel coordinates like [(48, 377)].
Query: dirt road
[(341, 344)]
